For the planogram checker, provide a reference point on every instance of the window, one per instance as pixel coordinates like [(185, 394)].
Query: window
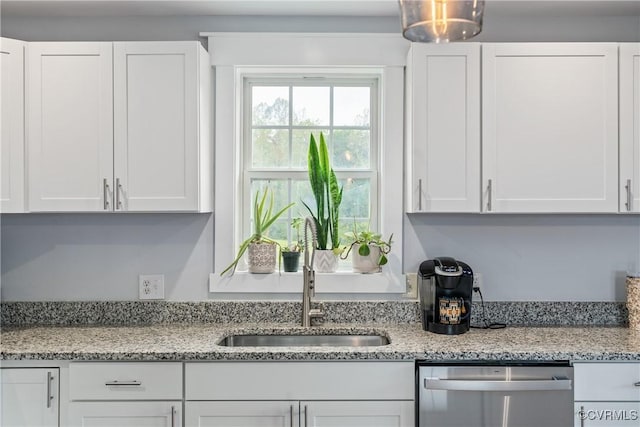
[(280, 114), (277, 73)]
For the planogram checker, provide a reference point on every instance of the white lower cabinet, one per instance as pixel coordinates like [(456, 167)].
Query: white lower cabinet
[(358, 414), (300, 414), (123, 394), (30, 397), (243, 414), (125, 414), (299, 394), (607, 394)]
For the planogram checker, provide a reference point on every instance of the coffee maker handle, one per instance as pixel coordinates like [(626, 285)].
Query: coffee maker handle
[(467, 304)]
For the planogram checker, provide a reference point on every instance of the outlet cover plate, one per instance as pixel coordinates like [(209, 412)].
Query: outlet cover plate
[(151, 286)]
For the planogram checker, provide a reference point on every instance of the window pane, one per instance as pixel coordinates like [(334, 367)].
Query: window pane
[(270, 105), (310, 106), (300, 146), (351, 106), (351, 149), (356, 201), (280, 193), (270, 148)]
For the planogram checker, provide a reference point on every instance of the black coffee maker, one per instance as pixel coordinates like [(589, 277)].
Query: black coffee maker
[(445, 288)]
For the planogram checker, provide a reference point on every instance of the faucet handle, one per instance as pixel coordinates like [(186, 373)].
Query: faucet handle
[(316, 313)]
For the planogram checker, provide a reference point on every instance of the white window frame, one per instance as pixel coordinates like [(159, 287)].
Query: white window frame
[(275, 77), (237, 55)]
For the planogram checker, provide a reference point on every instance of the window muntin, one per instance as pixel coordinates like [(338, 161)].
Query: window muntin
[(280, 114)]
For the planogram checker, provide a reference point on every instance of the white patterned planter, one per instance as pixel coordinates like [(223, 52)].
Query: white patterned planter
[(262, 258), (365, 264), (325, 261)]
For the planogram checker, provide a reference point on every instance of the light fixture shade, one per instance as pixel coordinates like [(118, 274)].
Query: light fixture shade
[(441, 20)]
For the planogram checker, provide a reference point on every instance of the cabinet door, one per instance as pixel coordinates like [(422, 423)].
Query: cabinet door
[(358, 414), (606, 414), (156, 126), (242, 414), (443, 93), (125, 414), (30, 397), (70, 126), (12, 152), (550, 127), (630, 127)]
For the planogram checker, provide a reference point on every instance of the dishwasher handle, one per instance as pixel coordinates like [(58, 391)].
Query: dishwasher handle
[(488, 385)]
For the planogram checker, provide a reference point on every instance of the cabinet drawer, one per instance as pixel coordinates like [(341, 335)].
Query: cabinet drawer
[(300, 381), (607, 381), (125, 381)]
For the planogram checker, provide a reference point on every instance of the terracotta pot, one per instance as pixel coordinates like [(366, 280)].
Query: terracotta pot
[(262, 258), (365, 264)]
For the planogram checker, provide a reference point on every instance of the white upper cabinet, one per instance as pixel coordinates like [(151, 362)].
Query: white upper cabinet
[(550, 127), (119, 127), (630, 127), (443, 128), (12, 153), (161, 140), (70, 126)]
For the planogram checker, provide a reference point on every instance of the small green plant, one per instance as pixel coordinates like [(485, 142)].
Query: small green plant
[(327, 194), (363, 239), (296, 224), (263, 218)]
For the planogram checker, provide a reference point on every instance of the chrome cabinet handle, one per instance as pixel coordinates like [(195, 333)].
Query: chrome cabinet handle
[(306, 418), (637, 384), (117, 190), (489, 189), (105, 194), (482, 385), (582, 416), (291, 414), (116, 383), (173, 416), (419, 194), (628, 188), (49, 395)]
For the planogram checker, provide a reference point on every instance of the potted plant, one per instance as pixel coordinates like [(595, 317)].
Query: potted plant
[(369, 251), (328, 196), (291, 254), (262, 250)]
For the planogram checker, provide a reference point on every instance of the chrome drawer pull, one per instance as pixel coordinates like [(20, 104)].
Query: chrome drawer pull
[(637, 384), (105, 194), (49, 395), (115, 383), (173, 416)]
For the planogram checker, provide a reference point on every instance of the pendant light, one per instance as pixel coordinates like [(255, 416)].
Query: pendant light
[(441, 20)]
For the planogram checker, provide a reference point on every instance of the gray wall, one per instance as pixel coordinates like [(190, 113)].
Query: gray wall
[(521, 257)]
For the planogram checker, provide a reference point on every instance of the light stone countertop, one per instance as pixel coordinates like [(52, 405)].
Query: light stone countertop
[(408, 342)]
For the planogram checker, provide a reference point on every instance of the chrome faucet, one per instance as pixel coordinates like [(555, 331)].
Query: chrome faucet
[(309, 275)]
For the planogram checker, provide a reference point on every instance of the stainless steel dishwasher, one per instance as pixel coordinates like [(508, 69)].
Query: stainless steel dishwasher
[(510, 394)]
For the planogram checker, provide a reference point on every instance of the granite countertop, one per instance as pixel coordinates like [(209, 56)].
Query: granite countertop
[(408, 342)]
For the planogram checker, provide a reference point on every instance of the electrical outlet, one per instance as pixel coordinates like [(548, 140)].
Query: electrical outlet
[(151, 286), (477, 280), (411, 279)]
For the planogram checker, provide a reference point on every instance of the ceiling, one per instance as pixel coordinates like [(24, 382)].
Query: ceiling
[(38, 8)]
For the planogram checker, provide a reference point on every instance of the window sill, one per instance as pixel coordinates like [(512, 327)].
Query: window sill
[(290, 283)]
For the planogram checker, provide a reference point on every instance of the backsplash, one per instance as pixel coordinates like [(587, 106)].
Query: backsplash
[(141, 313)]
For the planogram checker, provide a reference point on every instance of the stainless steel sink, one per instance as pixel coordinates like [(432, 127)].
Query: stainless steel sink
[(329, 340)]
